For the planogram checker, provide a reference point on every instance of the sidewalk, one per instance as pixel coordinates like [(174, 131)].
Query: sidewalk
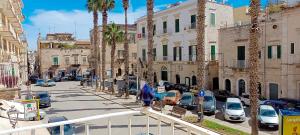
[(5, 125), (131, 104)]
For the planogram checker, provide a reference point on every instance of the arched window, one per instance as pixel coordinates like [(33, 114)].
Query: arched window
[(164, 73), (194, 80)]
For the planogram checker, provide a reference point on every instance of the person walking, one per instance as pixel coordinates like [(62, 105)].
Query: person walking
[(147, 95)]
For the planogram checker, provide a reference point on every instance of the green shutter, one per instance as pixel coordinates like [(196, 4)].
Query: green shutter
[(212, 19), (165, 27), (180, 53), (165, 50), (270, 52), (174, 53), (190, 53), (278, 51), (177, 25), (213, 52)]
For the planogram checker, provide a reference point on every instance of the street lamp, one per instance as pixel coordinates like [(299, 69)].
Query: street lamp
[(13, 115)]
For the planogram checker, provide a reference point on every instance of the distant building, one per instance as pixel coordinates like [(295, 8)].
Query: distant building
[(60, 54), (174, 47)]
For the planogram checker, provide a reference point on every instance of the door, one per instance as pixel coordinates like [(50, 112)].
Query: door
[(242, 87), (187, 81), (177, 79), (228, 85), (215, 83), (164, 74), (273, 91)]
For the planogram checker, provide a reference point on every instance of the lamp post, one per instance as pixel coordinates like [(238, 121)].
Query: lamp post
[(13, 115)]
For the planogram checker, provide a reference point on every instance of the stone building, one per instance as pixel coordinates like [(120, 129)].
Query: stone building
[(60, 54), (279, 69), (175, 42), (119, 54)]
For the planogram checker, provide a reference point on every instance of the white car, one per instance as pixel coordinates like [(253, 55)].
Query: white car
[(6, 105), (245, 99), (233, 110), (267, 117)]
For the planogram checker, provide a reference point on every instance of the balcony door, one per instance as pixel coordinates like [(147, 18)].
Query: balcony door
[(241, 56)]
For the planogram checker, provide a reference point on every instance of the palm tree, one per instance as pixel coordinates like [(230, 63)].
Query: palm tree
[(95, 6), (113, 35), (106, 5), (253, 52), (126, 48), (150, 41), (200, 43)]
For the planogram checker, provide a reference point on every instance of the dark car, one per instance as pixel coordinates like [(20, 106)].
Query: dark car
[(44, 98), (79, 78), (56, 79), (292, 103), (276, 104), (33, 79), (168, 85), (68, 128), (209, 104), (182, 88), (222, 95), (188, 101), (132, 88)]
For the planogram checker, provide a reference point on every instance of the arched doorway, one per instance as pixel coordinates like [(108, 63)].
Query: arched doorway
[(228, 85), (177, 79), (164, 73), (241, 87), (215, 83), (119, 72), (194, 80), (155, 77)]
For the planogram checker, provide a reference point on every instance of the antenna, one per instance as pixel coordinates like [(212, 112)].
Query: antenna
[(75, 29)]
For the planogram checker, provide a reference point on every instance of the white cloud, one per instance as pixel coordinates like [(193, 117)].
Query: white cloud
[(45, 21)]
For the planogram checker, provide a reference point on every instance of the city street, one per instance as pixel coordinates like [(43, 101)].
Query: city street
[(70, 101)]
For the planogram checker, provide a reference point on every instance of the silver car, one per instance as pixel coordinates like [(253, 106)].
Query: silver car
[(267, 117), (233, 110)]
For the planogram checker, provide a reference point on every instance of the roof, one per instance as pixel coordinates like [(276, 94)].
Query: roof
[(83, 42), (266, 107), (233, 100), (57, 119)]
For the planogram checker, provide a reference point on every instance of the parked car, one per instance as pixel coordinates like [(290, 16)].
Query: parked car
[(182, 88), (172, 97), (292, 103), (267, 117), (245, 98), (188, 101), (276, 104), (57, 79), (79, 78), (209, 104), (222, 95), (233, 110), (40, 82), (50, 83), (68, 128), (33, 79), (65, 78), (132, 88), (44, 97), (168, 85)]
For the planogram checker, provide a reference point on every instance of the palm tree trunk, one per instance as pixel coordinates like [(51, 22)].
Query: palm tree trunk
[(96, 46), (112, 64), (253, 52), (200, 43), (104, 24), (126, 53), (150, 41)]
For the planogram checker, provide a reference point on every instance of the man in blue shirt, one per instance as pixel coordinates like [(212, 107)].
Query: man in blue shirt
[(147, 95)]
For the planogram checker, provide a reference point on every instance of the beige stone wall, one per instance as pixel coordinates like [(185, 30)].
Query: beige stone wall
[(9, 94), (241, 14)]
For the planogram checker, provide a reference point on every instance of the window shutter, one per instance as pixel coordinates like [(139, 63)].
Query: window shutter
[(174, 53), (278, 51), (270, 52), (292, 48), (177, 25), (165, 50), (180, 53)]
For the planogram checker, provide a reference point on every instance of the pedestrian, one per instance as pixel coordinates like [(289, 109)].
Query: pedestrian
[(147, 95)]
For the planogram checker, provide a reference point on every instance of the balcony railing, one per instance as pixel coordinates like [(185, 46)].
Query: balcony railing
[(238, 64), (186, 127)]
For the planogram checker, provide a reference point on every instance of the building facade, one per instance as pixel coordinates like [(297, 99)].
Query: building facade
[(13, 45), (119, 54), (60, 54), (279, 70), (175, 42)]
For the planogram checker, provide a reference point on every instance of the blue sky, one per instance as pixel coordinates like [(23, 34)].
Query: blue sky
[(44, 16)]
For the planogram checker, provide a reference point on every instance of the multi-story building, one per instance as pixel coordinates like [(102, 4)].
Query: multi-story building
[(279, 69), (119, 54), (60, 54), (175, 42), (12, 48), (31, 62)]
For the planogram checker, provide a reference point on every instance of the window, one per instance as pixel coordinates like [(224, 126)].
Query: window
[(213, 52), (292, 48), (177, 53), (154, 29), (67, 60), (176, 25), (4, 45), (278, 51), (84, 60), (259, 54), (269, 52), (174, 53), (165, 52), (192, 53), (165, 27), (76, 59), (193, 21), (180, 53), (55, 60), (144, 54), (143, 32), (212, 19), (154, 54)]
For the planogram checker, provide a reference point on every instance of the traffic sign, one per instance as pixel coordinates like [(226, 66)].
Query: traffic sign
[(201, 93)]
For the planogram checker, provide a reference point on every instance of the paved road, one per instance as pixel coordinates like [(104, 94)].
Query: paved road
[(72, 102)]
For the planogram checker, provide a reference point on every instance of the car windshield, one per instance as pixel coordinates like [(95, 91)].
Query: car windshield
[(234, 106), (43, 95), (186, 97), (171, 94), (132, 85), (267, 113), (208, 99), (67, 128), (40, 80), (50, 81)]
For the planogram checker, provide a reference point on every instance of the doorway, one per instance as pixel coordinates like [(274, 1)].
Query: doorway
[(164, 74), (228, 85), (215, 83), (177, 79), (273, 91), (188, 81), (242, 87)]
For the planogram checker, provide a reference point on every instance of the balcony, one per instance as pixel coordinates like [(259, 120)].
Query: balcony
[(152, 121), (8, 32), (238, 64)]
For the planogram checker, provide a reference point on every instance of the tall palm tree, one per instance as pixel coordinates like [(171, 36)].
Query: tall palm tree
[(253, 52), (126, 48), (95, 6), (113, 35), (106, 5), (150, 13), (200, 43)]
